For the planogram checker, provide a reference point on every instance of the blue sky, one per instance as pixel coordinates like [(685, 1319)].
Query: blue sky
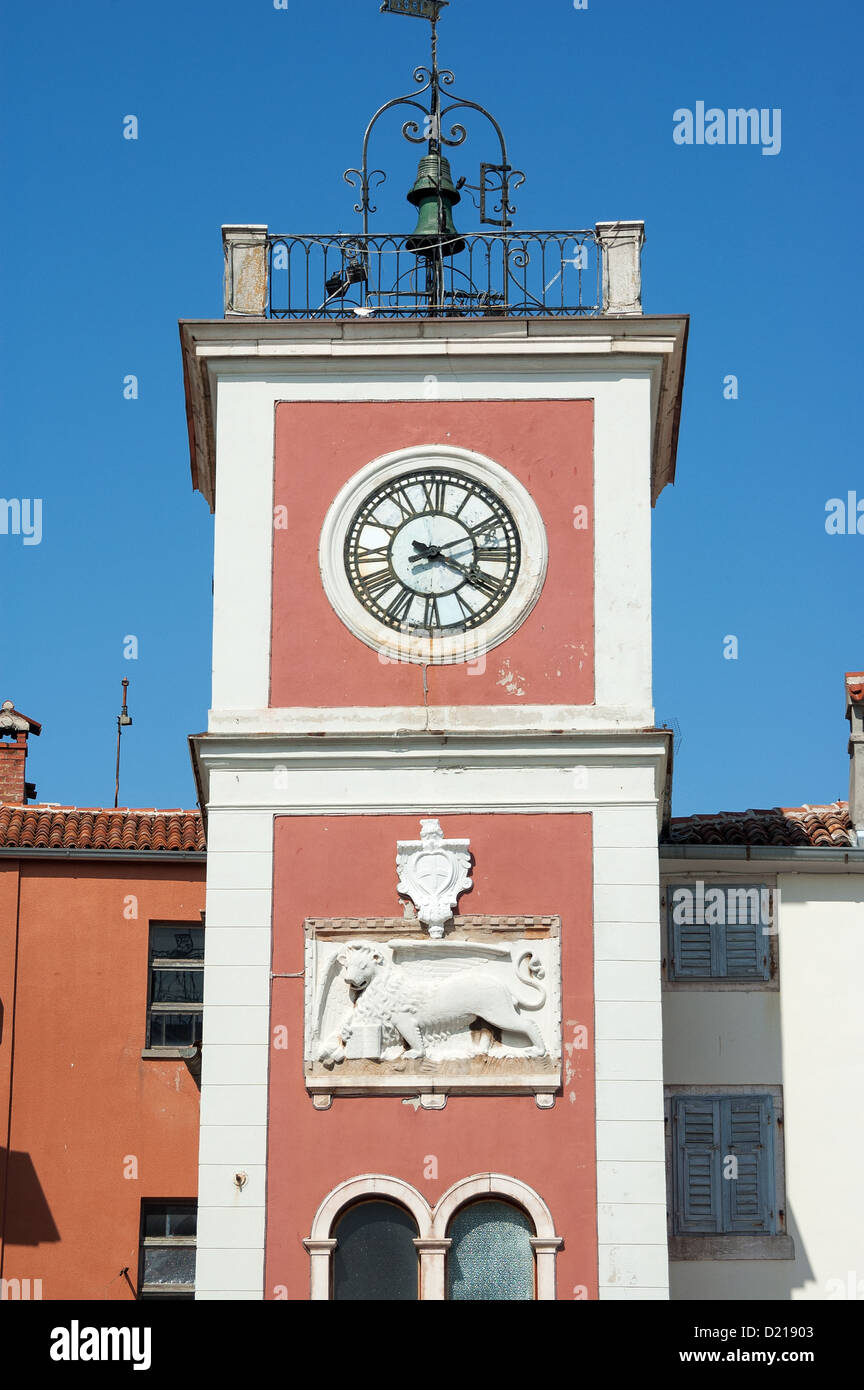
[(250, 113)]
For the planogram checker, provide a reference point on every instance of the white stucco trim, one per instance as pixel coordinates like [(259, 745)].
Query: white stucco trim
[(387, 720), (517, 773), (631, 1194), (434, 650)]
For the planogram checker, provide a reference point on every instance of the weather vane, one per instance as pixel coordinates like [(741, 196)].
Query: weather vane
[(435, 241), (417, 9)]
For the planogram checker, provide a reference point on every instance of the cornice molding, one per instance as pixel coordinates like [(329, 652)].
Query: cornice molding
[(215, 349)]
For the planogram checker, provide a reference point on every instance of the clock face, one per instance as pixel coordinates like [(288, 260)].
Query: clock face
[(433, 551)]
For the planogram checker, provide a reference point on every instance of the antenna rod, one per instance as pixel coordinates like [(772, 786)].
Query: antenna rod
[(435, 99), (122, 720)]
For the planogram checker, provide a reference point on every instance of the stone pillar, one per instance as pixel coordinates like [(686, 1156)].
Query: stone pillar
[(245, 271), (433, 1268), (855, 715), (545, 1251), (319, 1260), (621, 246)]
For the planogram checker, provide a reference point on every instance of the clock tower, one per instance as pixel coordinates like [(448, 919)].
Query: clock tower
[(432, 780)]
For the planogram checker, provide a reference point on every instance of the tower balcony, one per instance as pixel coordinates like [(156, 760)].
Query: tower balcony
[(479, 275)]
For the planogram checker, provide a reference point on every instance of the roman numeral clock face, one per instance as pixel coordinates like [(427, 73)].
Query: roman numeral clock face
[(433, 554), (433, 551)]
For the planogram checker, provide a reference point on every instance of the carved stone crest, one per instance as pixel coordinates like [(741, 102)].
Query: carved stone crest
[(432, 873)]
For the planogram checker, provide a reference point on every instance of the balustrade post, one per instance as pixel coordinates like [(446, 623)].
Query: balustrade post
[(246, 258), (621, 247)]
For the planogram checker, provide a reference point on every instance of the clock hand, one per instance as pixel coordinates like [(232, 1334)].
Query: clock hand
[(436, 552), (463, 569), (460, 541)]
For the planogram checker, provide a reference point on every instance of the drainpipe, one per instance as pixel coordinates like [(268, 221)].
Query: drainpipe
[(855, 715)]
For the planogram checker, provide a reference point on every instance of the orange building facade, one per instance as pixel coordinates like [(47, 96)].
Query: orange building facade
[(100, 1130)]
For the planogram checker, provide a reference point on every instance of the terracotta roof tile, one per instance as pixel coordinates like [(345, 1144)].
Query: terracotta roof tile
[(73, 827), (807, 827)]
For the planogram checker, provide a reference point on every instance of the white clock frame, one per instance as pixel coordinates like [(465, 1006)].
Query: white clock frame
[(449, 648)]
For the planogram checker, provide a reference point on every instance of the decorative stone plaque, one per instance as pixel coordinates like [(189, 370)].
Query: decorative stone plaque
[(432, 873), (477, 1011)]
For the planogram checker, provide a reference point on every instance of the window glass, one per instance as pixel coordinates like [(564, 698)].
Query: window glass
[(170, 1219), (166, 1264), (375, 1258), (176, 986), (175, 1030), (177, 941), (170, 986), (490, 1259)]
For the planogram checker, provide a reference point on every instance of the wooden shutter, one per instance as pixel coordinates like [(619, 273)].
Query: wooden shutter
[(745, 945), (749, 1200), (738, 949), (696, 1140), (692, 949)]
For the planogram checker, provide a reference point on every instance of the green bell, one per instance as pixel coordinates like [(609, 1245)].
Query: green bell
[(434, 194)]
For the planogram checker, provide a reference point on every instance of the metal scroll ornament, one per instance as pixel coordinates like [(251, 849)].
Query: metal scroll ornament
[(434, 104)]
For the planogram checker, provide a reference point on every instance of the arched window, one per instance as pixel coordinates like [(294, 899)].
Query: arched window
[(375, 1258), (491, 1258), (489, 1238)]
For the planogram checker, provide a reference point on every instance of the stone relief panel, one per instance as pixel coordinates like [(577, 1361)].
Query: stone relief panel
[(475, 1005), (478, 1009)]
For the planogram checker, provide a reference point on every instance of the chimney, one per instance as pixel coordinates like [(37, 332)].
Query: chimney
[(15, 729), (855, 715)]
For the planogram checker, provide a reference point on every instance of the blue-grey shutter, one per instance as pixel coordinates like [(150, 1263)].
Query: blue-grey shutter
[(696, 1140), (749, 1200), (692, 950), (745, 945), (737, 949)]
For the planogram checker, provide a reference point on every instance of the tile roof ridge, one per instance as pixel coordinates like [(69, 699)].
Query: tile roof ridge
[(752, 813), (63, 807)]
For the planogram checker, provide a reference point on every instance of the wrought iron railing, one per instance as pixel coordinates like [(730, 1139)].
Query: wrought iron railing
[(505, 274)]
